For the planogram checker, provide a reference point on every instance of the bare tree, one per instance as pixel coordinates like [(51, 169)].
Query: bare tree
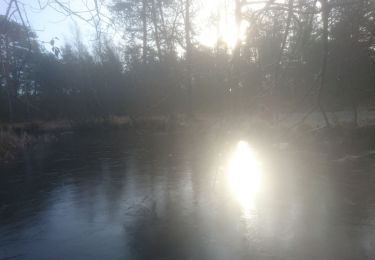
[(144, 30), (188, 58), (156, 28), (325, 16)]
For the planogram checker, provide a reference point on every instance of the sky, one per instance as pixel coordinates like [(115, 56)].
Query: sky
[(49, 22)]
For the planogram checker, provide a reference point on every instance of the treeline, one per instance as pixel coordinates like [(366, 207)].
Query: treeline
[(295, 55)]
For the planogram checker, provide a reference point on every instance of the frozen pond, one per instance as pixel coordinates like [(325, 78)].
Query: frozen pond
[(122, 196)]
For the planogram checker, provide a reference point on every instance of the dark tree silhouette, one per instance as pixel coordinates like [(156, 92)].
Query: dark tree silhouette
[(298, 55)]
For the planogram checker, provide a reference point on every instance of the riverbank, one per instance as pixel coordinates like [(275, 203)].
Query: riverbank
[(340, 139), (91, 124), (19, 136), (10, 144), (13, 143)]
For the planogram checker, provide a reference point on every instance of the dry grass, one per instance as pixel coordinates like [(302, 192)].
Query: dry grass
[(11, 143), (16, 137)]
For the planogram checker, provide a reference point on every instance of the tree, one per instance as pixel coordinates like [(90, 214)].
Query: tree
[(188, 55), (17, 43), (133, 14)]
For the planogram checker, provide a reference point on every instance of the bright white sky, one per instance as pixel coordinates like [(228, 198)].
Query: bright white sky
[(223, 11), (49, 23)]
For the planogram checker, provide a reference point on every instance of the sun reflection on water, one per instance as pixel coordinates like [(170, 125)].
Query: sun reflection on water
[(244, 176)]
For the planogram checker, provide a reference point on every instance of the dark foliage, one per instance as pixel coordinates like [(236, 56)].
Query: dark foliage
[(278, 67)]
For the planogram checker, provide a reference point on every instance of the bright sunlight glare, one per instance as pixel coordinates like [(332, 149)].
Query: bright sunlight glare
[(217, 23), (244, 175)]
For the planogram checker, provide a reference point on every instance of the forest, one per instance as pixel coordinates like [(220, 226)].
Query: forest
[(187, 129), (288, 56)]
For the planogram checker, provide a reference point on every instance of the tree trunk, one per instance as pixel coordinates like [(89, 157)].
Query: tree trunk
[(144, 30), (188, 60), (276, 86), (163, 29), (236, 90), (325, 15), (156, 30), (238, 19), (8, 80), (356, 31), (281, 52)]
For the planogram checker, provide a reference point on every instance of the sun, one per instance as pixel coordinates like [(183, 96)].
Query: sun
[(217, 24)]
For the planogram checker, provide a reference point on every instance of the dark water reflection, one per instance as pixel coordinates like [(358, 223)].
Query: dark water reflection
[(121, 196)]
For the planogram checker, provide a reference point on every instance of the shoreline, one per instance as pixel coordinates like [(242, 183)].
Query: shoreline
[(340, 139)]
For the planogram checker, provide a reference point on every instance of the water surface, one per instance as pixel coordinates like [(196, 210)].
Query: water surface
[(160, 196)]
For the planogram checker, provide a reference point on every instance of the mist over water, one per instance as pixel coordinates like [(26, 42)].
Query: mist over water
[(187, 129), (123, 196)]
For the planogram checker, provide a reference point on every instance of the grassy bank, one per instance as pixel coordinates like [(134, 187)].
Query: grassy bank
[(95, 124), (339, 139), (19, 136), (11, 144)]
